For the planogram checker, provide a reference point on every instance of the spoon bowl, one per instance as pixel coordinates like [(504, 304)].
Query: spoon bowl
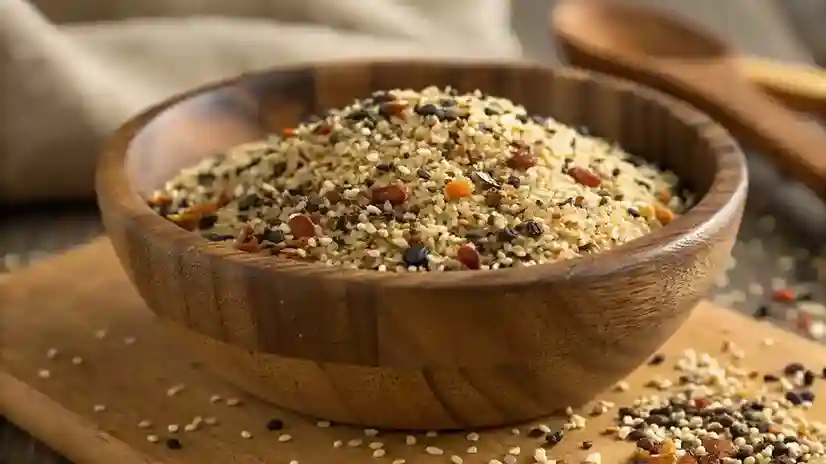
[(684, 60)]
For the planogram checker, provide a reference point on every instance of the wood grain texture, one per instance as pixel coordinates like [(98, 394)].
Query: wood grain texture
[(62, 302), (802, 88), (432, 350), (687, 62)]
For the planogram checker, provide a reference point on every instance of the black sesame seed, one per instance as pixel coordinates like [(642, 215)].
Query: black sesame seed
[(250, 201), (208, 221), (794, 398), (358, 115), (587, 444), (448, 102), (554, 438), (514, 181), (536, 433), (206, 178), (423, 173), (506, 235), (761, 312), (430, 110), (793, 368), (416, 255), (522, 118), (647, 444), (808, 378), (382, 97), (530, 228), (173, 444), (633, 212), (807, 395), (274, 235), (492, 111), (625, 411), (385, 167), (657, 359), (616, 172), (635, 435), (275, 424)]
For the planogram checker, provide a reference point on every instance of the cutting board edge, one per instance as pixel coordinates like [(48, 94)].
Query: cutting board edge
[(61, 429)]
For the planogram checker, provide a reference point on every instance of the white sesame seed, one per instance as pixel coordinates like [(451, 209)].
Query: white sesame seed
[(144, 424), (232, 402), (100, 334), (515, 432), (172, 428), (399, 461), (515, 451), (472, 436), (456, 459), (152, 438), (355, 442), (175, 389), (77, 360), (215, 398), (294, 461), (434, 451), (378, 453), (509, 459), (410, 440), (472, 450), (323, 424), (338, 444), (99, 408), (210, 420), (51, 353), (190, 427), (285, 437), (432, 434), (375, 445), (44, 373), (247, 434), (129, 340), (544, 428), (540, 456), (370, 432), (593, 458), (768, 342), (494, 461)]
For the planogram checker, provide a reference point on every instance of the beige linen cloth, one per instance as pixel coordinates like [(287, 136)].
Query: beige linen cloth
[(73, 70)]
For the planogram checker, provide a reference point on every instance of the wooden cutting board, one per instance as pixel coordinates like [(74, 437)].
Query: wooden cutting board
[(81, 304)]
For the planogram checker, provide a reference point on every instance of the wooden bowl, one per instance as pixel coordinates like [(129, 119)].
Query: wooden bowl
[(432, 350)]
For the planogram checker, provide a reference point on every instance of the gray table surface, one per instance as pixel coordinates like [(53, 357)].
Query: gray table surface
[(786, 30)]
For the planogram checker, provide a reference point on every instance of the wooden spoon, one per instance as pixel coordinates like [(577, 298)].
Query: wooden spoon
[(802, 88), (685, 61)]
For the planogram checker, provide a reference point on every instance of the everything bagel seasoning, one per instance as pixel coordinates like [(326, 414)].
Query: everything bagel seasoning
[(431, 180)]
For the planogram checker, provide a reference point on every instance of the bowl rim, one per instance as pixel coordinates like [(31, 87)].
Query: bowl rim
[(723, 199)]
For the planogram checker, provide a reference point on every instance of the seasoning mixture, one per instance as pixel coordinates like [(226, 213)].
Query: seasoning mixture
[(431, 180)]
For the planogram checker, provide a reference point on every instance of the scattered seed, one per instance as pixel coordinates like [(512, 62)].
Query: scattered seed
[(99, 408), (434, 451), (215, 398), (210, 420), (77, 360), (657, 359), (172, 428), (410, 440), (152, 438), (51, 353), (472, 450), (285, 437), (275, 424), (232, 402), (100, 334), (323, 424), (378, 453), (173, 444), (144, 424), (44, 373), (246, 434)]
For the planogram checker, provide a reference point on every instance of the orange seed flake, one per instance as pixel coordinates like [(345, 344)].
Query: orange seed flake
[(458, 188), (289, 132), (663, 213)]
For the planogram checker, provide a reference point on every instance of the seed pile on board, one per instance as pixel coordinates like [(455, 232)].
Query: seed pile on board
[(723, 414), (431, 180)]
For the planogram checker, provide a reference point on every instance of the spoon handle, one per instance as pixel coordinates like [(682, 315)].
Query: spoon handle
[(796, 143), (802, 88)]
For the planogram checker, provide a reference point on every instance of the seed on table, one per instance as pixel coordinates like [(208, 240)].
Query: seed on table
[(77, 360), (99, 408), (152, 438), (246, 434), (172, 428), (434, 451), (378, 453), (275, 424), (52, 353), (232, 402), (285, 437), (44, 373), (410, 440), (456, 459), (144, 424), (173, 444), (657, 359)]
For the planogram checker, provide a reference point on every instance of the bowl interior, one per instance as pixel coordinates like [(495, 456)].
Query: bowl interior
[(216, 118)]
